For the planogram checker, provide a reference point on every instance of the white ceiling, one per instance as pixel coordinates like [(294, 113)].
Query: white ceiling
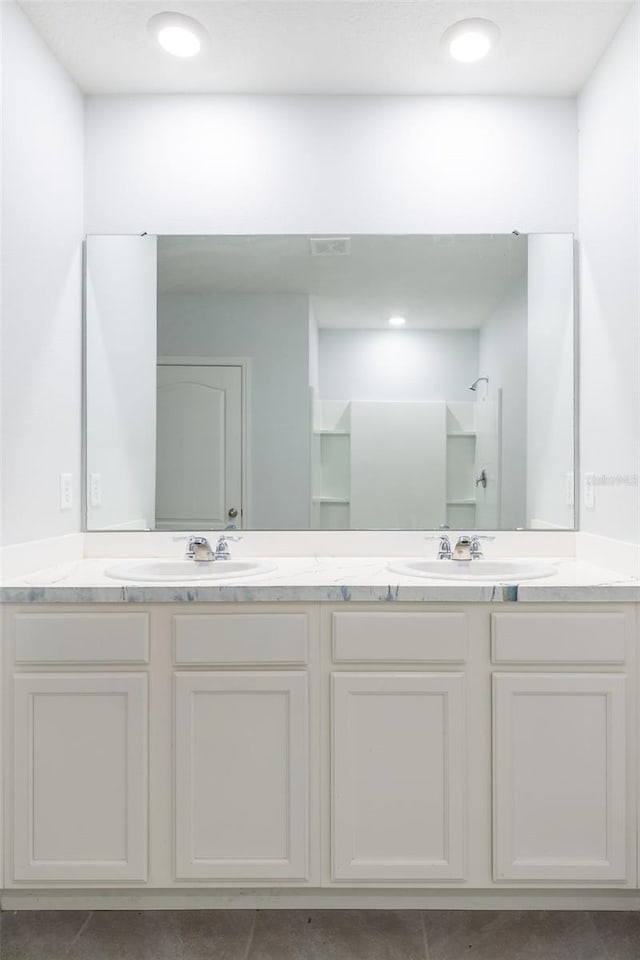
[(548, 47), (436, 282)]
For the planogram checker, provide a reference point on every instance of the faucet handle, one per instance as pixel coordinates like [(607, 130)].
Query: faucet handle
[(444, 550), (476, 552)]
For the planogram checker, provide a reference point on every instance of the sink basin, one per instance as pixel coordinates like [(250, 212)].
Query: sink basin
[(187, 570), (495, 570)]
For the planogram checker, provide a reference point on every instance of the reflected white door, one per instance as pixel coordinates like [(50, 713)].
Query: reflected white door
[(199, 447)]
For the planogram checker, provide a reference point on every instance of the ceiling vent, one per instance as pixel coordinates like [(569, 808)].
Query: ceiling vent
[(330, 246)]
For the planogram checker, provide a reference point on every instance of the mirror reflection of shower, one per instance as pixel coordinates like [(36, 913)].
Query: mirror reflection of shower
[(475, 383)]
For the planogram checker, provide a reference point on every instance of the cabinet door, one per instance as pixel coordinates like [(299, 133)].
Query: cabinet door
[(242, 776), (398, 776), (559, 777), (80, 767)]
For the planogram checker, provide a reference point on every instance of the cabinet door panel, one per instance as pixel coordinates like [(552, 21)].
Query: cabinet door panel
[(241, 776), (559, 777), (398, 776), (80, 762)]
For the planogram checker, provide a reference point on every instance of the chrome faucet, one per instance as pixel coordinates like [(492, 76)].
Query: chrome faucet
[(199, 549), (444, 547), (468, 547), (222, 547)]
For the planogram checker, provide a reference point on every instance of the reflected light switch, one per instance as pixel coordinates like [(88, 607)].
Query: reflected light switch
[(95, 489), (589, 492), (66, 491), (569, 488)]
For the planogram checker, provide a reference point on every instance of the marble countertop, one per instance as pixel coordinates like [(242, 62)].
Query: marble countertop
[(309, 579)]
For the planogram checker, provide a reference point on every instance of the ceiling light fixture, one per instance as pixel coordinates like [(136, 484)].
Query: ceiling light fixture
[(177, 34), (470, 40), (397, 321)]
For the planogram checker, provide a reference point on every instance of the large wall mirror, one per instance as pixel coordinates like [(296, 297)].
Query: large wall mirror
[(346, 382)]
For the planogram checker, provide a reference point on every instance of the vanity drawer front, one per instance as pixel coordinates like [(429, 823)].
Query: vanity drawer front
[(81, 637), (558, 637), (399, 637), (237, 638)]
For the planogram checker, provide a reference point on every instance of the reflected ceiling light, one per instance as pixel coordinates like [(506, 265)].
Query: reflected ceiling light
[(470, 40), (397, 321), (177, 34)]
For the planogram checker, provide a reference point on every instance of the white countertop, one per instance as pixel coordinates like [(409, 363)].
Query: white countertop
[(309, 579)]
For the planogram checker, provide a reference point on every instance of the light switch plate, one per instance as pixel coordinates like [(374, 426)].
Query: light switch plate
[(589, 491), (66, 491)]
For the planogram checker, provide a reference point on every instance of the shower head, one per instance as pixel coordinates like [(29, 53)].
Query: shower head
[(475, 383)]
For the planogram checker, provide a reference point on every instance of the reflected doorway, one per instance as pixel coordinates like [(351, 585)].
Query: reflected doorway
[(199, 462)]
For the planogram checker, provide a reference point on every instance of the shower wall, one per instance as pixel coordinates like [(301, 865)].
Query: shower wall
[(503, 358)]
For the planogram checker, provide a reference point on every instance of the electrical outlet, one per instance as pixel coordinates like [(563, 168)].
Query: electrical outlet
[(569, 488), (95, 490), (66, 491), (589, 492)]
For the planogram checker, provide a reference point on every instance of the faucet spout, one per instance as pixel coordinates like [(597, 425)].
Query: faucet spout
[(468, 547), (199, 549), (462, 549)]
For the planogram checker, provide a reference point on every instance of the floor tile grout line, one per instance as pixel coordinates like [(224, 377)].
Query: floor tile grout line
[(598, 936), (252, 931), (83, 927), (424, 935)]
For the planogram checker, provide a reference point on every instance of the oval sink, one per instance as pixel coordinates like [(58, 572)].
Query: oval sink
[(496, 570), (188, 570)]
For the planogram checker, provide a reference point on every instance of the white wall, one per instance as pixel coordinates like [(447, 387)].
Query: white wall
[(397, 364), (273, 332), (608, 113), (236, 164), (550, 344), (121, 321), (503, 358), (42, 230)]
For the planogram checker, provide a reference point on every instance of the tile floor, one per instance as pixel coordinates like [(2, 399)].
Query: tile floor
[(319, 935)]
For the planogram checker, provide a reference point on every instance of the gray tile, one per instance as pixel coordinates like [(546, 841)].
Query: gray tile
[(512, 935), (165, 935), (39, 934), (214, 934), (338, 935), (129, 935), (619, 933)]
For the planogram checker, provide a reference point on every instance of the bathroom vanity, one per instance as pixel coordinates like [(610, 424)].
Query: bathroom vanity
[(308, 752)]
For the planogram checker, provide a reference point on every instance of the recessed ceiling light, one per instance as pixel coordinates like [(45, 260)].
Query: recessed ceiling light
[(177, 34), (470, 40), (397, 321)]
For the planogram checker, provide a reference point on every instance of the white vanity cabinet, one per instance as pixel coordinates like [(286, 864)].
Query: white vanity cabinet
[(564, 754), (77, 757), (242, 735), (398, 745), (295, 746), (398, 776)]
